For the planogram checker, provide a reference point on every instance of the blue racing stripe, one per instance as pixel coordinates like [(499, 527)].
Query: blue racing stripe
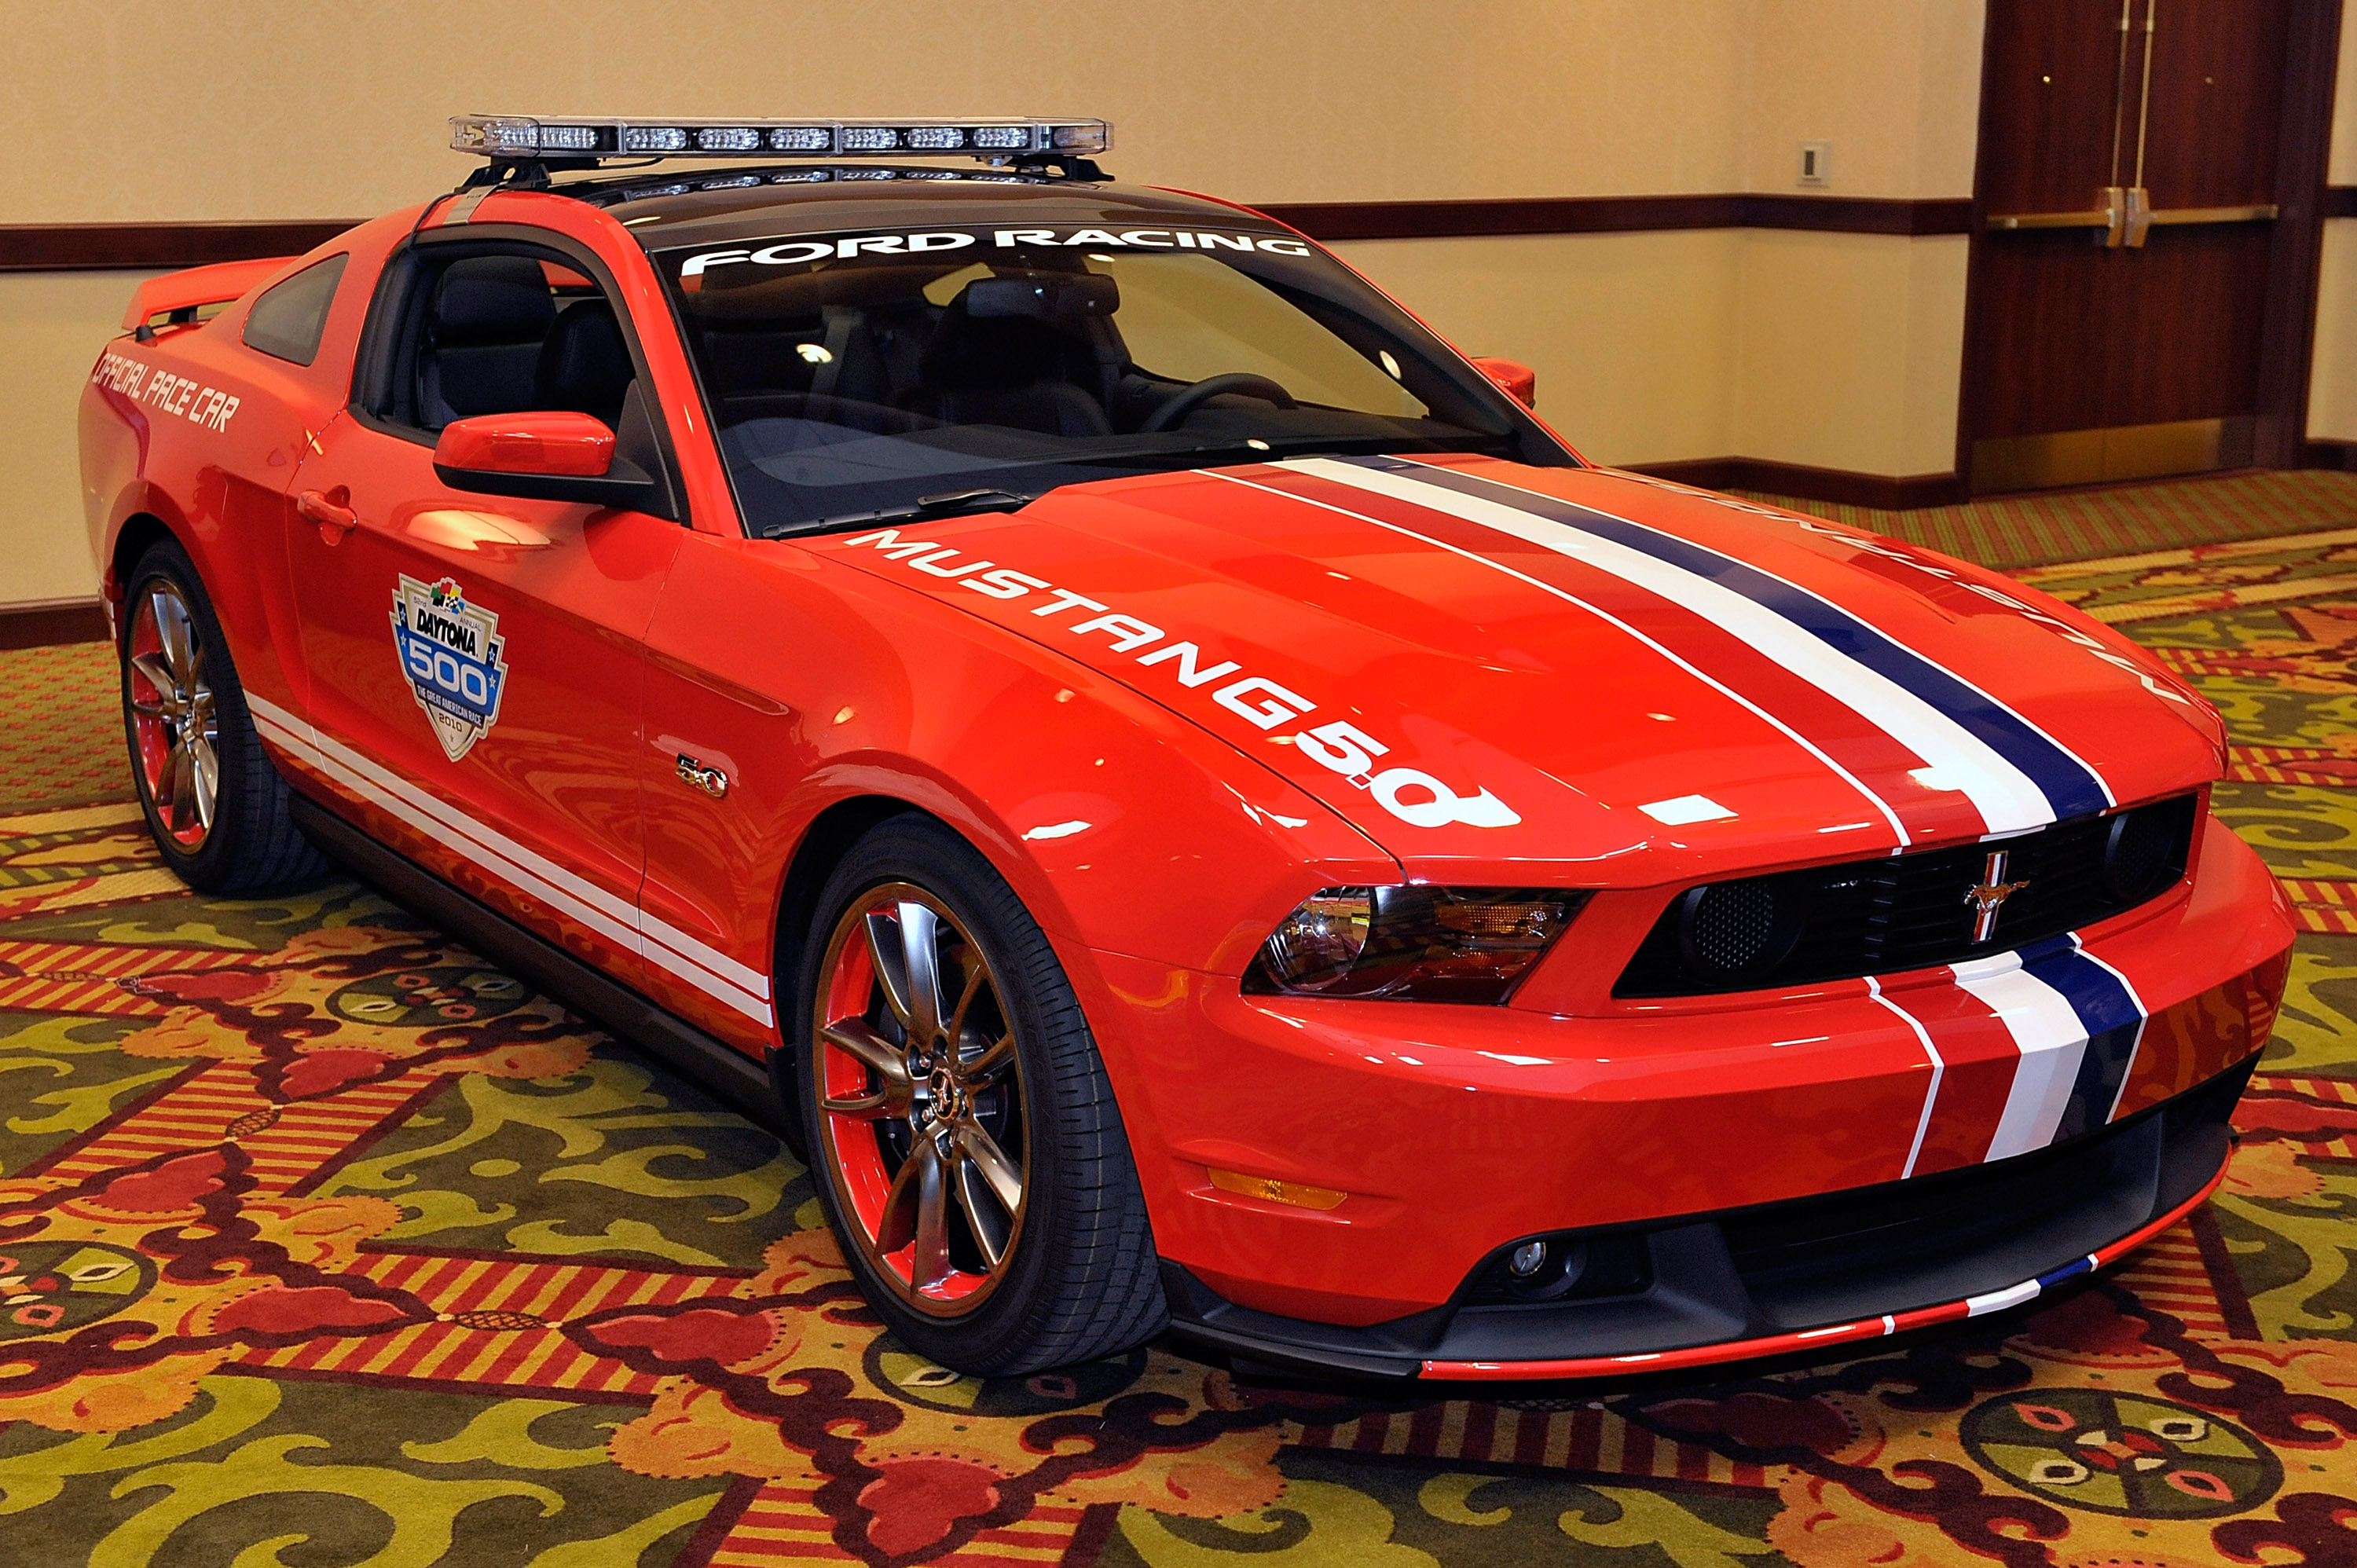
[(2107, 1010), (2071, 788)]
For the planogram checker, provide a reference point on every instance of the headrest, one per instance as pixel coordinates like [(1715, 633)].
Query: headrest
[(492, 300), (1013, 331), (584, 365)]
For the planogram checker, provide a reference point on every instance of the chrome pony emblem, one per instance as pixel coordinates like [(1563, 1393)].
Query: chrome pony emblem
[(1990, 897)]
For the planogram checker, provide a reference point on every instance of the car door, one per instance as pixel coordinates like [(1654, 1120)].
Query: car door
[(477, 662)]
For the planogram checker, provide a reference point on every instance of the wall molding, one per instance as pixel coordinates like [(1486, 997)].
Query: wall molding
[(99, 247), (2328, 454), (102, 247), (1881, 493), (49, 622), (2339, 201), (1621, 214)]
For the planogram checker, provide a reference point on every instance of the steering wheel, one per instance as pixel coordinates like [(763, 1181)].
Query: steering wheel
[(1187, 399)]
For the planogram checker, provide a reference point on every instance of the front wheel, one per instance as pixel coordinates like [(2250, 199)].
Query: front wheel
[(214, 804), (965, 1142)]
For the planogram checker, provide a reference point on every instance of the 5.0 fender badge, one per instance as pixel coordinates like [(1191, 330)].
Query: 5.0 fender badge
[(454, 659), (709, 780)]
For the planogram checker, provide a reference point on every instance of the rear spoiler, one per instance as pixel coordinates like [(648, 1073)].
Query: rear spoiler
[(180, 295)]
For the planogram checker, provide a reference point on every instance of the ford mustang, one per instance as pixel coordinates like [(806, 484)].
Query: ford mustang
[(1177, 794)]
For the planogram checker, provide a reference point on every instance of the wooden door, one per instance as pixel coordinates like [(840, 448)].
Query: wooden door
[(2149, 172)]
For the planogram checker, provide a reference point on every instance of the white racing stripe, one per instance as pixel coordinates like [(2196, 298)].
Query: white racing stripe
[(1939, 1070), (2046, 1030), (2006, 796), (1897, 829), (713, 972)]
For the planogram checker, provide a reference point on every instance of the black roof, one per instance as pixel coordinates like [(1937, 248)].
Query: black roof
[(719, 206)]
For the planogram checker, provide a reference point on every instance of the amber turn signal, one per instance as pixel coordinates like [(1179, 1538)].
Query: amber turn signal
[(1276, 1191)]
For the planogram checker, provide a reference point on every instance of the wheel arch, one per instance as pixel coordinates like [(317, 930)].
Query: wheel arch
[(140, 532)]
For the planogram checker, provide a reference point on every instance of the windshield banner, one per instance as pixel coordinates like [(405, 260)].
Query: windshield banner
[(808, 252)]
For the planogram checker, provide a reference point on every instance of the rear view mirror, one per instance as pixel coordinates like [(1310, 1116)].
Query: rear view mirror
[(542, 454), (1516, 380), (1052, 297)]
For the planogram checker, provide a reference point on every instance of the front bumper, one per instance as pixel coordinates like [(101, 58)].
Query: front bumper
[(1456, 1132), (1802, 1275)]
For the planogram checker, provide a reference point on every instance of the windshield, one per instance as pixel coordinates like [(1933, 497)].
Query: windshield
[(900, 371)]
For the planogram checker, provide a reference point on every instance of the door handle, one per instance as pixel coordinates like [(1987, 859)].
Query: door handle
[(331, 511)]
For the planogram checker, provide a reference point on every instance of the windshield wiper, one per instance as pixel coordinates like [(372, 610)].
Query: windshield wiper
[(952, 503)]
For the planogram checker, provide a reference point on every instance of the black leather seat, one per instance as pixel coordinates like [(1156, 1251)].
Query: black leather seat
[(1014, 370), (584, 365), (483, 343)]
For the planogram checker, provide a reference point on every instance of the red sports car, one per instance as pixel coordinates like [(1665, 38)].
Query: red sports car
[(1182, 795)]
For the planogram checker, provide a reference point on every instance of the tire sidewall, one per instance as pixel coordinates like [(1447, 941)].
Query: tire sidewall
[(917, 851), (212, 861)]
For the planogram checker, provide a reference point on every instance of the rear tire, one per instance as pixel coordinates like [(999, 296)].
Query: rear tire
[(966, 1149), (215, 806)]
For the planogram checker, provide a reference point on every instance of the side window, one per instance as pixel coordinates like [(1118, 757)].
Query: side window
[(505, 331), (287, 321), (473, 328)]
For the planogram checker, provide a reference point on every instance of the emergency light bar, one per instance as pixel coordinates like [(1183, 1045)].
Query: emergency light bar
[(530, 136)]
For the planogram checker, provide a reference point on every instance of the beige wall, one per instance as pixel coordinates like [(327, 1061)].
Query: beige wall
[(251, 109), (1836, 350), (1839, 351)]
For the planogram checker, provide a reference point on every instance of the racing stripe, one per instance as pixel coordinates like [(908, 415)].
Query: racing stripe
[(2016, 775), (1833, 764), (1978, 1058), (2114, 1017), (2051, 1040), (713, 972), (1868, 751)]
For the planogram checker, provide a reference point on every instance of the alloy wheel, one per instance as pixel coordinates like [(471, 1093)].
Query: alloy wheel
[(175, 728), (920, 1100)]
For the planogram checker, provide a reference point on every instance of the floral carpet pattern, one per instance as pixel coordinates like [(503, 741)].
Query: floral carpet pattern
[(322, 1242)]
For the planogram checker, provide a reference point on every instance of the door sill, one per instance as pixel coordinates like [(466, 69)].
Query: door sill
[(717, 1065)]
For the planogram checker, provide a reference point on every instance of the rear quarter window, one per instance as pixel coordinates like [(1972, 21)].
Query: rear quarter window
[(290, 317)]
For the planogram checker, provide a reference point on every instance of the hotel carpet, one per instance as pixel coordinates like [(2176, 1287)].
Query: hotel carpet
[(324, 1242)]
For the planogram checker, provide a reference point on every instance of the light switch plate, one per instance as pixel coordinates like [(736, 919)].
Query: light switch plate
[(1816, 163)]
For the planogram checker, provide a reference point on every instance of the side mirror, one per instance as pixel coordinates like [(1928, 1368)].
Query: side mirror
[(1516, 380), (553, 455)]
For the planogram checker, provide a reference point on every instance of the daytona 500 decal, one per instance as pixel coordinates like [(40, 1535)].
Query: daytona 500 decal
[(1412, 795), (454, 659)]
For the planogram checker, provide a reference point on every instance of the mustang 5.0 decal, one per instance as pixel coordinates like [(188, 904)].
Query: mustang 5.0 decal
[(1412, 795), (455, 660)]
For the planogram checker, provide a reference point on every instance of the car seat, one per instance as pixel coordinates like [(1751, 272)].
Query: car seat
[(483, 339)]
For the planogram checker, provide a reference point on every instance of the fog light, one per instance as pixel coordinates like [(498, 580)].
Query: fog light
[(1527, 1259)]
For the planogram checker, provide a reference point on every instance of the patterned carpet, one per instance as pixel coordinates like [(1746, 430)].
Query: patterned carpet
[(323, 1244)]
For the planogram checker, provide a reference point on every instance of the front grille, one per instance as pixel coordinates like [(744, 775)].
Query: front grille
[(1910, 910)]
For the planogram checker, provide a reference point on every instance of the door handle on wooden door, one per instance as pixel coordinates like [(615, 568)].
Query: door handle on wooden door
[(331, 511)]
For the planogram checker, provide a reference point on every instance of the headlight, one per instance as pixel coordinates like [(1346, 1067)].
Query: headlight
[(1419, 944)]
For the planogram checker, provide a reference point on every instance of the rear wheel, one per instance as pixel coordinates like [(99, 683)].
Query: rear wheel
[(214, 804), (968, 1151)]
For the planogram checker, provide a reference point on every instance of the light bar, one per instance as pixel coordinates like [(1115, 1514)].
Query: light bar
[(555, 136)]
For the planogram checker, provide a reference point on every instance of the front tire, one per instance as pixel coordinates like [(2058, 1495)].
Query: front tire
[(215, 806), (964, 1141)]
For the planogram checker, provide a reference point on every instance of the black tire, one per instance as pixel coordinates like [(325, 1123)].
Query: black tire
[(251, 845), (1080, 1280)]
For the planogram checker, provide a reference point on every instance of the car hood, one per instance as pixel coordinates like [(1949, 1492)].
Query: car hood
[(1484, 662)]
